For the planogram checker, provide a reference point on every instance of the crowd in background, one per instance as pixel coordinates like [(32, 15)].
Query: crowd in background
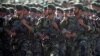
[(68, 29)]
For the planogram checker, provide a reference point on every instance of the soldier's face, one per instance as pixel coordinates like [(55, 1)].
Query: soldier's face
[(67, 14), (38, 14), (50, 11), (59, 13), (22, 13), (96, 8), (32, 13), (25, 12), (19, 12), (45, 12), (76, 10)]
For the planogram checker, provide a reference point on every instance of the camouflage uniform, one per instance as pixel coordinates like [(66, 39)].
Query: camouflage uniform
[(78, 45), (20, 45), (97, 46), (51, 45)]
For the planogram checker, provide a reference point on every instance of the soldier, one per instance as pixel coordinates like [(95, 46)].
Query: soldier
[(63, 25), (4, 38), (39, 14), (62, 44), (32, 15), (96, 5), (65, 4), (95, 34), (20, 44), (83, 38), (46, 28), (35, 40), (59, 15), (97, 49), (75, 31)]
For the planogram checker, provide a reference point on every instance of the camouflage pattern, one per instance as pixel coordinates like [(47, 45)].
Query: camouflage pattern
[(49, 32)]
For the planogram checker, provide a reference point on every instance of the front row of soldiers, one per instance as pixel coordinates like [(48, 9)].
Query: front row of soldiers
[(52, 32)]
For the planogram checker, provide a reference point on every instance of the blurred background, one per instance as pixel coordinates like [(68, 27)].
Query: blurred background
[(43, 1)]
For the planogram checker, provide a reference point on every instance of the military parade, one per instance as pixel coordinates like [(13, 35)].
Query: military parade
[(50, 29)]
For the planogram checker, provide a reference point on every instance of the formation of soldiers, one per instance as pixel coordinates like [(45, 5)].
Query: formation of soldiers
[(51, 30)]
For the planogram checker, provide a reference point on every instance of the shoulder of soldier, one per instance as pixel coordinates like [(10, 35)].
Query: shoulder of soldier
[(72, 17), (41, 21), (41, 18)]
